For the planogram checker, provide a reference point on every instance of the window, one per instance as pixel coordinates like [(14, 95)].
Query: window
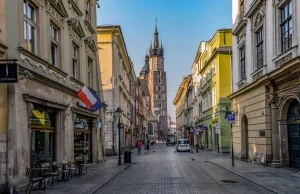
[(88, 11), (159, 88), (54, 45), (241, 7), (29, 27), (242, 63), (213, 70), (159, 96), (163, 88), (286, 27), (75, 63), (90, 70), (159, 80), (213, 97), (259, 48), (160, 105), (163, 96), (159, 72), (156, 96)]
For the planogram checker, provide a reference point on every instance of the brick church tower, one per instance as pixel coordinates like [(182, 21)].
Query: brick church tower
[(156, 76)]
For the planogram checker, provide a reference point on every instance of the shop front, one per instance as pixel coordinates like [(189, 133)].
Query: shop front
[(83, 139), (42, 139)]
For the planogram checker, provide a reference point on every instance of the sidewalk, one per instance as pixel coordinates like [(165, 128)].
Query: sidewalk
[(278, 180), (97, 176)]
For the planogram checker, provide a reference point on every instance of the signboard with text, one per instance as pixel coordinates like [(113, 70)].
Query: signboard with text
[(8, 73), (231, 118)]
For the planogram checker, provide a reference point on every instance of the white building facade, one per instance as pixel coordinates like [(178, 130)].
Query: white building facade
[(265, 81)]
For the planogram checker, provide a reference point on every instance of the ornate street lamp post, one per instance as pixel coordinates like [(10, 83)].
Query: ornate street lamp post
[(118, 115)]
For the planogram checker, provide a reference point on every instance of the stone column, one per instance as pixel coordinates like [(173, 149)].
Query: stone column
[(273, 101)]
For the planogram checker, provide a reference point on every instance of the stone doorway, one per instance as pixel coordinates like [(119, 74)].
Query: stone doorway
[(245, 143), (293, 134)]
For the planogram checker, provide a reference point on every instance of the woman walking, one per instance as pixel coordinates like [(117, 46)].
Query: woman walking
[(139, 144)]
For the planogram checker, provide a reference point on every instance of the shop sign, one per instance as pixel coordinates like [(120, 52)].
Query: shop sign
[(8, 73), (39, 118), (99, 125), (81, 124)]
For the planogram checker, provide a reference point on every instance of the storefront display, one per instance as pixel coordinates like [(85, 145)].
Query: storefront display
[(42, 137), (82, 140)]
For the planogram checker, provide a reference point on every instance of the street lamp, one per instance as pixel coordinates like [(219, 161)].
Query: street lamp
[(118, 115)]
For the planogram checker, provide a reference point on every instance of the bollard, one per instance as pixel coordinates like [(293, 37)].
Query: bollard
[(125, 157), (129, 157)]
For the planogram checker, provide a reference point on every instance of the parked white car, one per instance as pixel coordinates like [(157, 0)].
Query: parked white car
[(183, 145)]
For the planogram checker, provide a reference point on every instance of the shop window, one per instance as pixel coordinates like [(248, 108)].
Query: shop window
[(42, 137), (83, 140)]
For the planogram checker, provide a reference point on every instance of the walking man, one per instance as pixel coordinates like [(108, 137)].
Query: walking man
[(139, 144)]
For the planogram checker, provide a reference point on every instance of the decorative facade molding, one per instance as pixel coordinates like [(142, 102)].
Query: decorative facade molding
[(89, 27), (56, 10), (254, 7), (35, 64), (242, 84), (75, 8), (58, 75), (90, 42), (76, 30), (283, 60), (3, 49), (258, 74), (242, 24), (74, 35), (274, 100)]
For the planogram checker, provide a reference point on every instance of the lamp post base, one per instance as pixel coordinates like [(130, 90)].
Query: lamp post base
[(119, 161)]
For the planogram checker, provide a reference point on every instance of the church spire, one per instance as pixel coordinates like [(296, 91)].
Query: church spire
[(156, 41)]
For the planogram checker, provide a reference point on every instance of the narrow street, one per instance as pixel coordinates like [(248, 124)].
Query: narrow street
[(162, 170)]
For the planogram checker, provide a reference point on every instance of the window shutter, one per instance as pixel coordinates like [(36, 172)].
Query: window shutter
[(163, 96), (163, 88)]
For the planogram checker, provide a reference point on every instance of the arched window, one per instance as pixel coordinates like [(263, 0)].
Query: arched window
[(159, 88), (160, 105), (159, 72), (159, 96), (159, 80)]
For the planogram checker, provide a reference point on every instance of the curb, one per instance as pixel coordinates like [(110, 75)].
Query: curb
[(109, 180), (244, 178)]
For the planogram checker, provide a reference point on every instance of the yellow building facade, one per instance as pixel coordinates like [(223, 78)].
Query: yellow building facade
[(179, 103), (118, 80), (215, 72)]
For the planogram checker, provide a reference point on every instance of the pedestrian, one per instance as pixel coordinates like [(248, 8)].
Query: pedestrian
[(139, 147)]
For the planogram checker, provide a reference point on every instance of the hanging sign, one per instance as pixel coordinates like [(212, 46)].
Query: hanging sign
[(8, 73)]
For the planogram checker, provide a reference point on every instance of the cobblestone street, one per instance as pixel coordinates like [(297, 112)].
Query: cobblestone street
[(162, 170)]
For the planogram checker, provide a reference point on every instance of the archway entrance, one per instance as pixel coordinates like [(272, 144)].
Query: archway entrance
[(293, 134), (245, 144)]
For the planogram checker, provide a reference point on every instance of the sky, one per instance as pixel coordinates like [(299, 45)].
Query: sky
[(182, 24)]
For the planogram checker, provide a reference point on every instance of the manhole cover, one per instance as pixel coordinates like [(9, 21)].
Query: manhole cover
[(228, 181)]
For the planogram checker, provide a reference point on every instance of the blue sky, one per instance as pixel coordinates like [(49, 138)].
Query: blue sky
[(182, 24)]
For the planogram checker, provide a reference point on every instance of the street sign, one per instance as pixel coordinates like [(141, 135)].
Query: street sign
[(205, 128), (231, 119), (9, 73)]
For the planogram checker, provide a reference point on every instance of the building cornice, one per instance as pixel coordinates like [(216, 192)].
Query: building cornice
[(219, 50)]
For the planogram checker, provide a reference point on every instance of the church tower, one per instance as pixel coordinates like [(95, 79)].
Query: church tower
[(156, 76)]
